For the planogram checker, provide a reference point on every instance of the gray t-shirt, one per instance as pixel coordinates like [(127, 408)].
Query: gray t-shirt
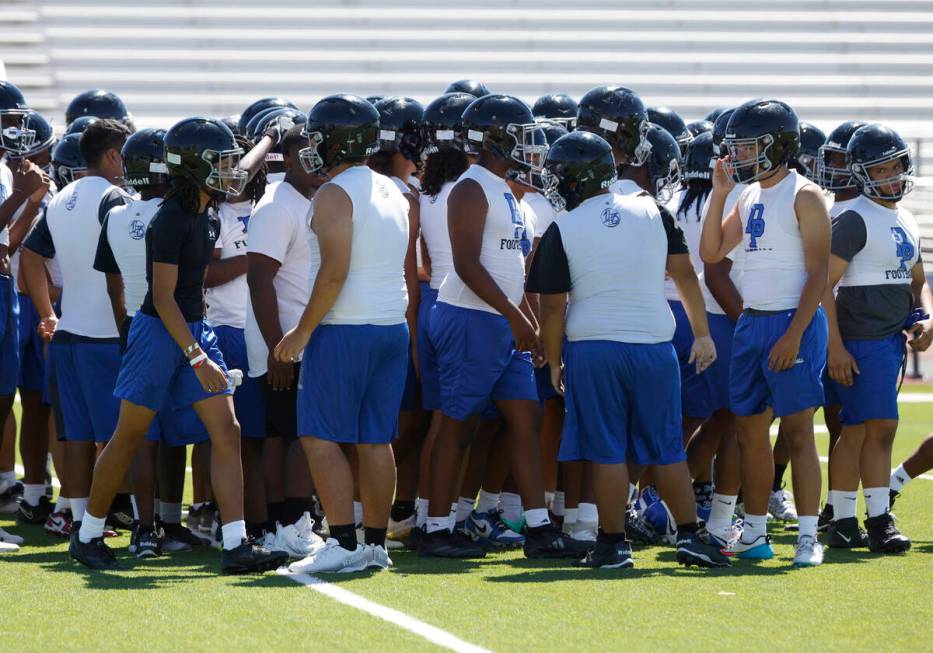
[(867, 312)]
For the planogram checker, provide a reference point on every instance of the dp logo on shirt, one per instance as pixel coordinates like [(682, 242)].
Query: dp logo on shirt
[(905, 248), (611, 218), (137, 230)]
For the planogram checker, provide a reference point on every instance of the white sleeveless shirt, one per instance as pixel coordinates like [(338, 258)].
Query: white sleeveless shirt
[(892, 246), (374, 291), (501, 253), (436, 235), (126, 235)]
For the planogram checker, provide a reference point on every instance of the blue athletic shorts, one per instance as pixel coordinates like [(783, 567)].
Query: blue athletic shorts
[(154, 369), (85, 374), (9, 336), (248, 400), (623, 403), (543, 383), (351, 383), (830, 390), (753, 387), (478, 362), (31, 347), (427, 357), (705, 393), (873, 393)]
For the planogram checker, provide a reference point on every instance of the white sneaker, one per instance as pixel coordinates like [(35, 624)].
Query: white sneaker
[(305, 528), (378, 558), (809, 552), (333, 558), (400, 530), (8, 547), (269, 542), (298, 540), (781, 506), (9, 538)]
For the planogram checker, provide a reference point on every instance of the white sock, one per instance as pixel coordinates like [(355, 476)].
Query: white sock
[(557, 504), (33, 492), (632, 493), (537, 517), (8, 478), (877, 500), (829, 500), (197, 506), (754, 526), (170, 512), (357, 513), (135, 507), (434, 524), (570, 516), (720, 517), (844, 503), (62, 504), (512, 506), (464, 507), (899, 478), (487, 501), (91, 527), (234, 533), (453, 515), (78, 507), (807, 525), (421, 512), (549, 500), (587, 512)]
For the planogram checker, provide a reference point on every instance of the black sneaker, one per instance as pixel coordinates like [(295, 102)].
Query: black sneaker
[(120, 519), (444, 544), (883, 536), (548, 542), (892, 495), (181, 535), (251, 558), (94, 555), (35, 514), (608, 555), (148, 542), (846, 534), (825, 518), (415, 537), (691, 550)]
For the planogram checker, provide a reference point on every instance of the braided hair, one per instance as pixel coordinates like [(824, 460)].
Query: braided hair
[(441, 167), (256, 186)]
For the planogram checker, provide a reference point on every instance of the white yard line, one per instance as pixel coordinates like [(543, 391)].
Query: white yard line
[(427, 631)]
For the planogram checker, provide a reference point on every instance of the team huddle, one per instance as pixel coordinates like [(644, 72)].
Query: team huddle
[(457, 328)]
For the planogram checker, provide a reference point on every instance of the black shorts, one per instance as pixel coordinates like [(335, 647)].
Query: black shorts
[(281, 408)]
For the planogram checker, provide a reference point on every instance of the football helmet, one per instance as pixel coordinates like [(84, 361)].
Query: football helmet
[(699, 157), (811, 140), (557, 107), (662, 162), (67, 162), (442, 123), (471, 86), (78, 125), (578, 166), (339, 129), (673, 123), (33, 135), (204, 151), (552, 130), (715, 113), (719, 131), (761, 137), (697, 127), (232, 123), (260, 105), (504, 126), (372, 99), (832, 170), (876, 145), (262, 121), (13, 133), (99, 104), (617, 114), (144, 159), (400, 126)]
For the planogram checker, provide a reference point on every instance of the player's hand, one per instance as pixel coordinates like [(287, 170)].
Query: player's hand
[(841, 364), (703, 353), (557, 378), (277, 128), (722, 175), (292, 344), (47, 326), (28, 178), (524, 333), (280, 375), (784, 353), (42, 190), (539, 358), (212, 377), (921, 336)]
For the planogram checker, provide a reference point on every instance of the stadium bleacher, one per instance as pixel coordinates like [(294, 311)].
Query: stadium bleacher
[(830, 59)]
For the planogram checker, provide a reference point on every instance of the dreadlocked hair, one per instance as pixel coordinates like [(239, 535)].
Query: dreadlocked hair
[(695, 194), (381, 162), (257, 185), (188, 194), (441, 167)]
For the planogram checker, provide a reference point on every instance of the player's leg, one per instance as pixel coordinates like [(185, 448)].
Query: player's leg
[(917, 463), (883, 535), (145, 541), (780, 503)]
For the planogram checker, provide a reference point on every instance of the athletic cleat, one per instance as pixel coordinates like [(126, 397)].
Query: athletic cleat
[(59, 524), (883, 535), (334, 559), (548, 542), (781, 506), (691, 550), (377, 557), (178, 538), (444, 544), (250, 558), (400, 531), (704, 499), (489, 528), (516, 525), (825, 518), (9, 538), (94, 554), (9, 500), (724, 539), (757, 549), (740, 509), (808, 552), (8, 547), (34, 514), (120, 518), (148, 542), (193, 520), (846, 534), (299, 539), (608, 555)]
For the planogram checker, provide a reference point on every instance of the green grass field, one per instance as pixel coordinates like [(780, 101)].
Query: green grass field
[(503, 602)]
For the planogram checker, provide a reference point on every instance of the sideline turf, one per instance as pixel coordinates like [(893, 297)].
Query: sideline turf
[(502, 603)]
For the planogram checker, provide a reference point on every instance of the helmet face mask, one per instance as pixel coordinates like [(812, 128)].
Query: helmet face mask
[(579, 166), (309, 157), (888, 178), (225, 176), (666, 186), (831, 169), (530, 151), (750, 159), (16, 136)]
